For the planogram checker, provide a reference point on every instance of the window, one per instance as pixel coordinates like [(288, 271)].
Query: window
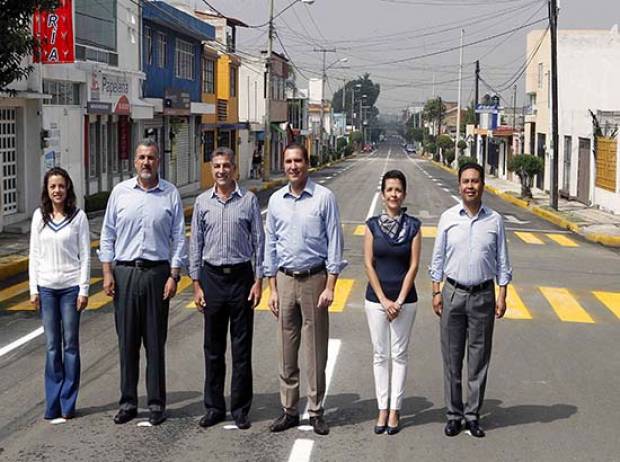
[(162, 49), (184, 60), (540, 75), (95, 23), (208, 144), (148, 45), (233, 81), (62, 93), (208, 75)]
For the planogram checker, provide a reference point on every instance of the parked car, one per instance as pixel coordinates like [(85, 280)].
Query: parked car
[(367, 148), (410, 148)]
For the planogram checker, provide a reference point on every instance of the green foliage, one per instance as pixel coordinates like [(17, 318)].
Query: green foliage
[(97, 201), (444, 142), (449, 156), (434, 110), (415, 134), (466, 160), (526, 167), (462, 145), (341, 143), (356, 138), (430, 147), (17, 39), (348, 150)]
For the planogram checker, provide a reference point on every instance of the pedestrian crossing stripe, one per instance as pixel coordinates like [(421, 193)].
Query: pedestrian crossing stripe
[(565, 305), (360, 230), (515, 308), (427, 231), (611, 300), (529, 238), (12, 291), (562, 240), (341, 295), (27, 306)]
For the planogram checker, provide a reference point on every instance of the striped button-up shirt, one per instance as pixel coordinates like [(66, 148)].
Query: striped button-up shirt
[(303, 232), (226, 232), (471, 250), (145, 224)]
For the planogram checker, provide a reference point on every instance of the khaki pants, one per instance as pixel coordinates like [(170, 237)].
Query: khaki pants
[(301, 320)]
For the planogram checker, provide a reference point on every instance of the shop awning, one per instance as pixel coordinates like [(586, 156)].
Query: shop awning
[(141, 110)]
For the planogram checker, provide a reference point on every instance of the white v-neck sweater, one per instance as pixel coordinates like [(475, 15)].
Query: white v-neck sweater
[(59, 254)]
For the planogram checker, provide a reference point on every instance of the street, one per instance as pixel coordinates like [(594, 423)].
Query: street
[(552, 391)]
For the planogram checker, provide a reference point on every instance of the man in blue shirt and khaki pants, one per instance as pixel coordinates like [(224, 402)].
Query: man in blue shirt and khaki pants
[(470, 252), (303, 258)]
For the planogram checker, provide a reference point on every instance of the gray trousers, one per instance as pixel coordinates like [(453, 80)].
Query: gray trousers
[(467, 318)]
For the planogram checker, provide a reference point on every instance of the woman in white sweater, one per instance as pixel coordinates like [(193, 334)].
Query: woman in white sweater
[(59, 271)]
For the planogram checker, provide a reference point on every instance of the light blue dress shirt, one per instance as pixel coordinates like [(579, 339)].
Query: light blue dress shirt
[(471, 250), (144, 224), (226, 233), (303, 232)]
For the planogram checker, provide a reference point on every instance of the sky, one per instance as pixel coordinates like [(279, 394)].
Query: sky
[(404, 44)]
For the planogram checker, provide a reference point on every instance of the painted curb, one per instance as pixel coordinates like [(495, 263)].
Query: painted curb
[(558, 220), (12, 265)]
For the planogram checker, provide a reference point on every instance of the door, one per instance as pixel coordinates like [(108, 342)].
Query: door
[(181, 151), (583, 171), (540, 152), (8, 159)]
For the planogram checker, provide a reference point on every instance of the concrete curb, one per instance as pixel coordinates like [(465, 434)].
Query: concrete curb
[(548, 215), (13, 265)]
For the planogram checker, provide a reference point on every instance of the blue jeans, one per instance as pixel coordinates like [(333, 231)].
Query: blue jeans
[(61, 324)]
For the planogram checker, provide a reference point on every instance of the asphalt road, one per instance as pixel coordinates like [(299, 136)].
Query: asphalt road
[(553, 384)]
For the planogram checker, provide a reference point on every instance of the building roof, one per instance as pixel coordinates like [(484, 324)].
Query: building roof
[(233, 22), (162, 13)]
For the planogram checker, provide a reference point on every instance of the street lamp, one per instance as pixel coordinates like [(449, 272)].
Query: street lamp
[(267, 142)]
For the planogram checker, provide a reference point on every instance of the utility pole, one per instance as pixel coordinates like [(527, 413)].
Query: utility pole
[(267, 142), (477, 97), (458, 113), (514, 113), (553, 26), (323, 78)]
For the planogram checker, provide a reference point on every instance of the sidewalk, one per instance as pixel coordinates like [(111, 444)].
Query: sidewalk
[(593, 224), (14, 247)]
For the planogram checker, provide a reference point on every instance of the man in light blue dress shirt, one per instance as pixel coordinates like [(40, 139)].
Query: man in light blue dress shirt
[(303, 258), (143, 233), (470, 253)]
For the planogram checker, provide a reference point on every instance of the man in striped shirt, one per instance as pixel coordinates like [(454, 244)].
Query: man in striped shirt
[(226, 238)]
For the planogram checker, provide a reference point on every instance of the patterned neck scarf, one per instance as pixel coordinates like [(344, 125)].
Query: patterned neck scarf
[(394, 227)]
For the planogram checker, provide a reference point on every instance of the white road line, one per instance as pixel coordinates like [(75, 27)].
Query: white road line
[(371, 210), (333, 348), (446, 190), (263, 212), (458, 199), (302, 449), (21, 341)]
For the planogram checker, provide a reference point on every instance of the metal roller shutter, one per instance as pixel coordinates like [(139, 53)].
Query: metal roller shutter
[(181, 152)]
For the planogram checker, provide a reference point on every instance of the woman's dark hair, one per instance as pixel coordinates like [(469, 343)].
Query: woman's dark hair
[(46, 202), (394, 175)]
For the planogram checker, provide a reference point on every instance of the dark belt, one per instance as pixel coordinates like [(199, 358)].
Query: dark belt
[(471, 289), (228, 269), (302, 273), (142, 263)]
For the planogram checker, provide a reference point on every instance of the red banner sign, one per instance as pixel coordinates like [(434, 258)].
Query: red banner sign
[(54, 33)]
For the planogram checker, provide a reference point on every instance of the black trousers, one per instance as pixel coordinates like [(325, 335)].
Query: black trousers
[(226, 297), (141, 317)]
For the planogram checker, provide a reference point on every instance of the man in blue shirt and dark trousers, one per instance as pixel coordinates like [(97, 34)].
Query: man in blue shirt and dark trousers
[(227, 237), (143, 232), (470, 252), (303, 258)]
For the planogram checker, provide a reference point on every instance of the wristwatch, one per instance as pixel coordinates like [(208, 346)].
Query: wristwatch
[(175, 277)]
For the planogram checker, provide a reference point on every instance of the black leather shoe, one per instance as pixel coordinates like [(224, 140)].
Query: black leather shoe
[(284, 422), (210, 419), (157, 417), (242, 422), (319, 425), (474, 429), (379, 429), (453, 427), (125, 416), (393, 430)]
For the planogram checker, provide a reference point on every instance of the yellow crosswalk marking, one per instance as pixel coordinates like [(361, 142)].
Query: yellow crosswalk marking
[(341, 294), (515, 308), (529, 238), (562, 240), (611, 300), (26, 306), (13, 290), (429, 231), (360, 230), (565, 305)]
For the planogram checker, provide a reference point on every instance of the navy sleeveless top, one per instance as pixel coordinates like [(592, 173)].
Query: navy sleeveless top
[(392, 259)]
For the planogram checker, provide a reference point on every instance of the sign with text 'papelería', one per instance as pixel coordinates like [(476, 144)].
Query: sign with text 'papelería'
[(53, 31)]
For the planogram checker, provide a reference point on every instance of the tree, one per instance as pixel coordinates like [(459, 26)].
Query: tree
[(462, 145), (368, 88), (434, 111), (444, 142), (356, 138), (415, 134), (17, 39), (466, 160), (526, 167), (449, 156), (469, 116)]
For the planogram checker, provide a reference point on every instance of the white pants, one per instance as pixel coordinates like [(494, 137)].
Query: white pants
[(390, 337)]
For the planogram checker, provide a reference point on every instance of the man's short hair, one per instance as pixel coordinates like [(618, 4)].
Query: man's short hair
[(224, 151), (148, 143), (474, 166), (299, 147)]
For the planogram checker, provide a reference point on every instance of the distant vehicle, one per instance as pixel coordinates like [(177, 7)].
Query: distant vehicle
[(367, 148), (410, 148)]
